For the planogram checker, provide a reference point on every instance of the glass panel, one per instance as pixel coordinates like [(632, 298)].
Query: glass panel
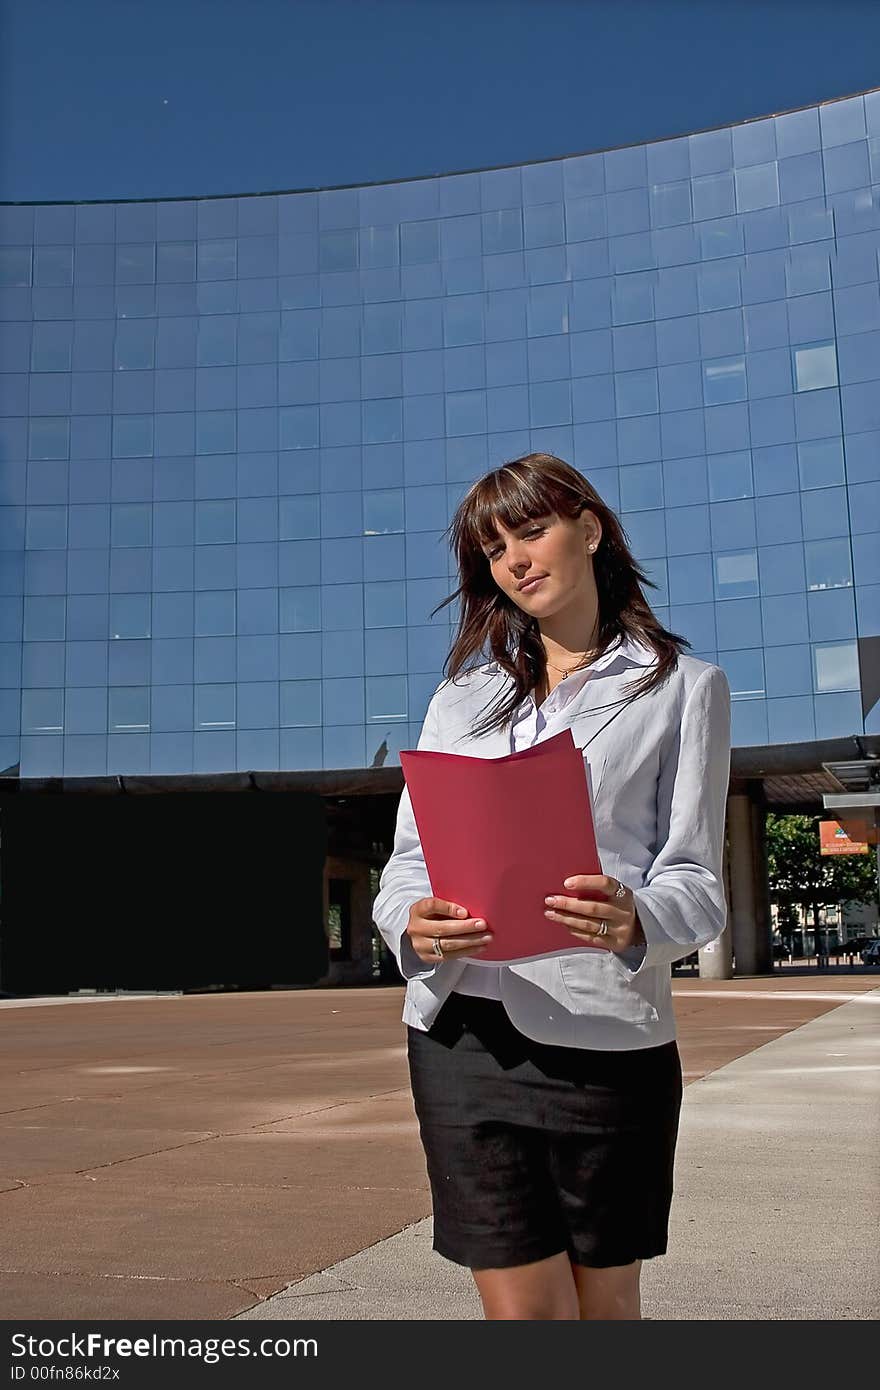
[(135, 344), (52, 347), (215, 706), (724, 379), (215, 432), (829, 564), (730, 475), (132, 436), (135, 264), (736, 574), (820, 462), (46, 528), (129, 615), (300, 703), (42, 711), (757, 187), (53, 265), (216, 260), (215, 613), (836, 666), (745, 672), (129, 708), (298, 427), (215, 522), (15, 267), (299, 517), (44, 618), (383, 512), (815, 367), (386, 698), (300, 609), (131, 524), (49, 438), (385, 604)]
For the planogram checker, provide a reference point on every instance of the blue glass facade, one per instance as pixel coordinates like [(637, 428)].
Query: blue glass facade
[(233, 430)]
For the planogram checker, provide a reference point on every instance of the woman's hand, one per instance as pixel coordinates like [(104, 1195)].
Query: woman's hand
[(440, 930), (584, 917)]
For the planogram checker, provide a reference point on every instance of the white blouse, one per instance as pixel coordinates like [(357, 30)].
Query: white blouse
[(532, 724)]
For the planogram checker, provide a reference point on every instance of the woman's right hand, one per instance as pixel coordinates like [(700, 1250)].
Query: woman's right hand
[(434, 919)]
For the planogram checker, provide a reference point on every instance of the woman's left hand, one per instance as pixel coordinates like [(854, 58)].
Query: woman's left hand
[(584, 917)]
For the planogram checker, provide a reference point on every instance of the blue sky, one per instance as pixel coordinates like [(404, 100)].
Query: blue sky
[(154, 98)]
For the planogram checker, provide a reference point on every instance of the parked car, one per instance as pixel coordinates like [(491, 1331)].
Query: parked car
[(871, 954)]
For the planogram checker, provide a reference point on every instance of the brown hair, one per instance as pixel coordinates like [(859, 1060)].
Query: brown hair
[(517, 492)]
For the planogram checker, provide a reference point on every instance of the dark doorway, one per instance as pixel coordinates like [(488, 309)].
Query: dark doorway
[(189, 890)]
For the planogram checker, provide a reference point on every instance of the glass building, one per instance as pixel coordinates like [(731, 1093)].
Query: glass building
[(232, 431)]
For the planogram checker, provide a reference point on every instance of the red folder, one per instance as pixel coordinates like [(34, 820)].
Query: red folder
[(500, 834)]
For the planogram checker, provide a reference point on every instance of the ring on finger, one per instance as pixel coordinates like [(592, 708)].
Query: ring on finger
[(602, 929), (437, 946), (620, 891)]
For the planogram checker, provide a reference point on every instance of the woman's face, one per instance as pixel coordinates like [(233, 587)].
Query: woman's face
[(554, 550)]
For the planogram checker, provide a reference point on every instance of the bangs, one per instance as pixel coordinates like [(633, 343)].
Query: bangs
[(512, 497)]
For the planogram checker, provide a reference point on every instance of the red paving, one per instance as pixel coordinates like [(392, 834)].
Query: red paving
[(186, 1157)]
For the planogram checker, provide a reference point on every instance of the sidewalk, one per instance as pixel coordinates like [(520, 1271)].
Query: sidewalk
[(256, 1155), (758, 1232)]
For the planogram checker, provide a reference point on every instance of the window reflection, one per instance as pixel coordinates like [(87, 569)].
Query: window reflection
[(502, 231), (730, 475), (820, 462), (51, 348), (672, 320), (386, 698), (300, 703), (15, 266), (129, 708), (216, 260), (383, 511), (130, 615), (215, 707), (299, 517), (135, 264), (836, 666), (385, 604), (215, 522), (215, 432), (745, 672), (131, 524), (829, 564), (42, 711), (724, 380), (300, 609), (49, 438), (736, 574), (46, 528), (132, 436), (815, 367), (215, 612)]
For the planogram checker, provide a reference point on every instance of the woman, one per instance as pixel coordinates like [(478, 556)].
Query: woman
[(548, 1092)]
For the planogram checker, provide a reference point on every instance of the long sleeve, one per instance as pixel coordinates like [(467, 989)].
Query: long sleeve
[(405, 877), (682, 905)]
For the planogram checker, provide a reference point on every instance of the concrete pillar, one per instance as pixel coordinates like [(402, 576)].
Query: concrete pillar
[(716, 959), (358, 968), (749, 894), (763, 917)]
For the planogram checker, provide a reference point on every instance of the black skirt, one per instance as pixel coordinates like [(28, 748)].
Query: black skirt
[(534, 1149)]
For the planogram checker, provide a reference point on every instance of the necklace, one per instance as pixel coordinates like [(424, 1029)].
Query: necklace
[(585, 661)]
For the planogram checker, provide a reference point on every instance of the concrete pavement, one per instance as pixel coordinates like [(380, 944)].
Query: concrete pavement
[(256, 1155), (776, 1212)]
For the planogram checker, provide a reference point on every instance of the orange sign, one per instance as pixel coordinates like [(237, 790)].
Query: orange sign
[(833, 839)]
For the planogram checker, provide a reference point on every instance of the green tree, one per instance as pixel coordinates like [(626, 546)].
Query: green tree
[(802, 877)]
